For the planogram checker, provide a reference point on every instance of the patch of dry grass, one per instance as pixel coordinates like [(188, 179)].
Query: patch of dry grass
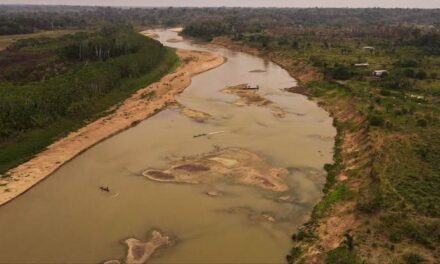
[(7, 40)]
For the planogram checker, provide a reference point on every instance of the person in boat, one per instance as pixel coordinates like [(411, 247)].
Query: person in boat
[(104, 189)]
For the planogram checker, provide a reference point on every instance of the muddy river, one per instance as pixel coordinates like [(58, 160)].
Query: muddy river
[(67, 219)]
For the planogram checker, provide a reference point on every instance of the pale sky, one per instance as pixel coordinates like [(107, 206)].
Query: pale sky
[(242, 3)]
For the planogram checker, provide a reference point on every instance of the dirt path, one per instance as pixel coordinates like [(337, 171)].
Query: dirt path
[(141, 105)]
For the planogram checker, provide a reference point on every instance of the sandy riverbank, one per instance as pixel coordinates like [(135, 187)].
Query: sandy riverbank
[(141, 105)]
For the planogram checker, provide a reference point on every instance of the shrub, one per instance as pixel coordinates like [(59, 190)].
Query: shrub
[(408, 63), (341, 255), (396, 83), (317, 61), (385, 92), (421, 75), (399, 227), (422, 122), (349, 241), (301, 235), (340, 192), (295, 253), (423, 152), (341, 72), (395, 237), (295, 45), (370, 197), (413, 258), (410, 73), (377, 120)]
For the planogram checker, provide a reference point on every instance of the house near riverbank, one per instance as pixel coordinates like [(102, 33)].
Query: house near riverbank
[(370, 49), (380, 73)]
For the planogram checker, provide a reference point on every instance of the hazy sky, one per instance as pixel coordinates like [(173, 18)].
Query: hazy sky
[(247, 3)]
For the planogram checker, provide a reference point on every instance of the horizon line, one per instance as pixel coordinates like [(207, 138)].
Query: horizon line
[(224, 6)]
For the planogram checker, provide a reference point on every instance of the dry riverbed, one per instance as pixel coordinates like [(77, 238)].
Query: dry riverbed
[(133, 110)]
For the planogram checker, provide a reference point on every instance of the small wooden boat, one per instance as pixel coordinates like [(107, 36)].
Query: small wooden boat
[(104, 189)]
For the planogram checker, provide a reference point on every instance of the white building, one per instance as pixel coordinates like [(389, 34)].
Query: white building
[(380, 73)]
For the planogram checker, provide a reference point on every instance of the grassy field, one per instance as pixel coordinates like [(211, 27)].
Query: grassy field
[(7, 40)]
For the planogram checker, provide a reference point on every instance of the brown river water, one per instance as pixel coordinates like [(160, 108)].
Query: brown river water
[(67, 219)]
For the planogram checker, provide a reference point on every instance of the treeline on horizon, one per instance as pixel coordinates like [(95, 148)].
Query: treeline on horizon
[(28, 19)]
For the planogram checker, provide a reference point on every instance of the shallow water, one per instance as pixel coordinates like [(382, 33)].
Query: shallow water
[(67, 219)]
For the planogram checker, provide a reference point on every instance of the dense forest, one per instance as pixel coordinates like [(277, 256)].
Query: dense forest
[(52, 84), (27, 19)]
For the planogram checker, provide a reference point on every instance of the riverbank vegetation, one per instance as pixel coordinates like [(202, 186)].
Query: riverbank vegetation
[(381, 202), (51, 86)]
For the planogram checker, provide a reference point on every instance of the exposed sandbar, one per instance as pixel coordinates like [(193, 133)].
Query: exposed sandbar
[(251, 97), (174, 40), (139, 252), (238, 165), (192, 113)]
